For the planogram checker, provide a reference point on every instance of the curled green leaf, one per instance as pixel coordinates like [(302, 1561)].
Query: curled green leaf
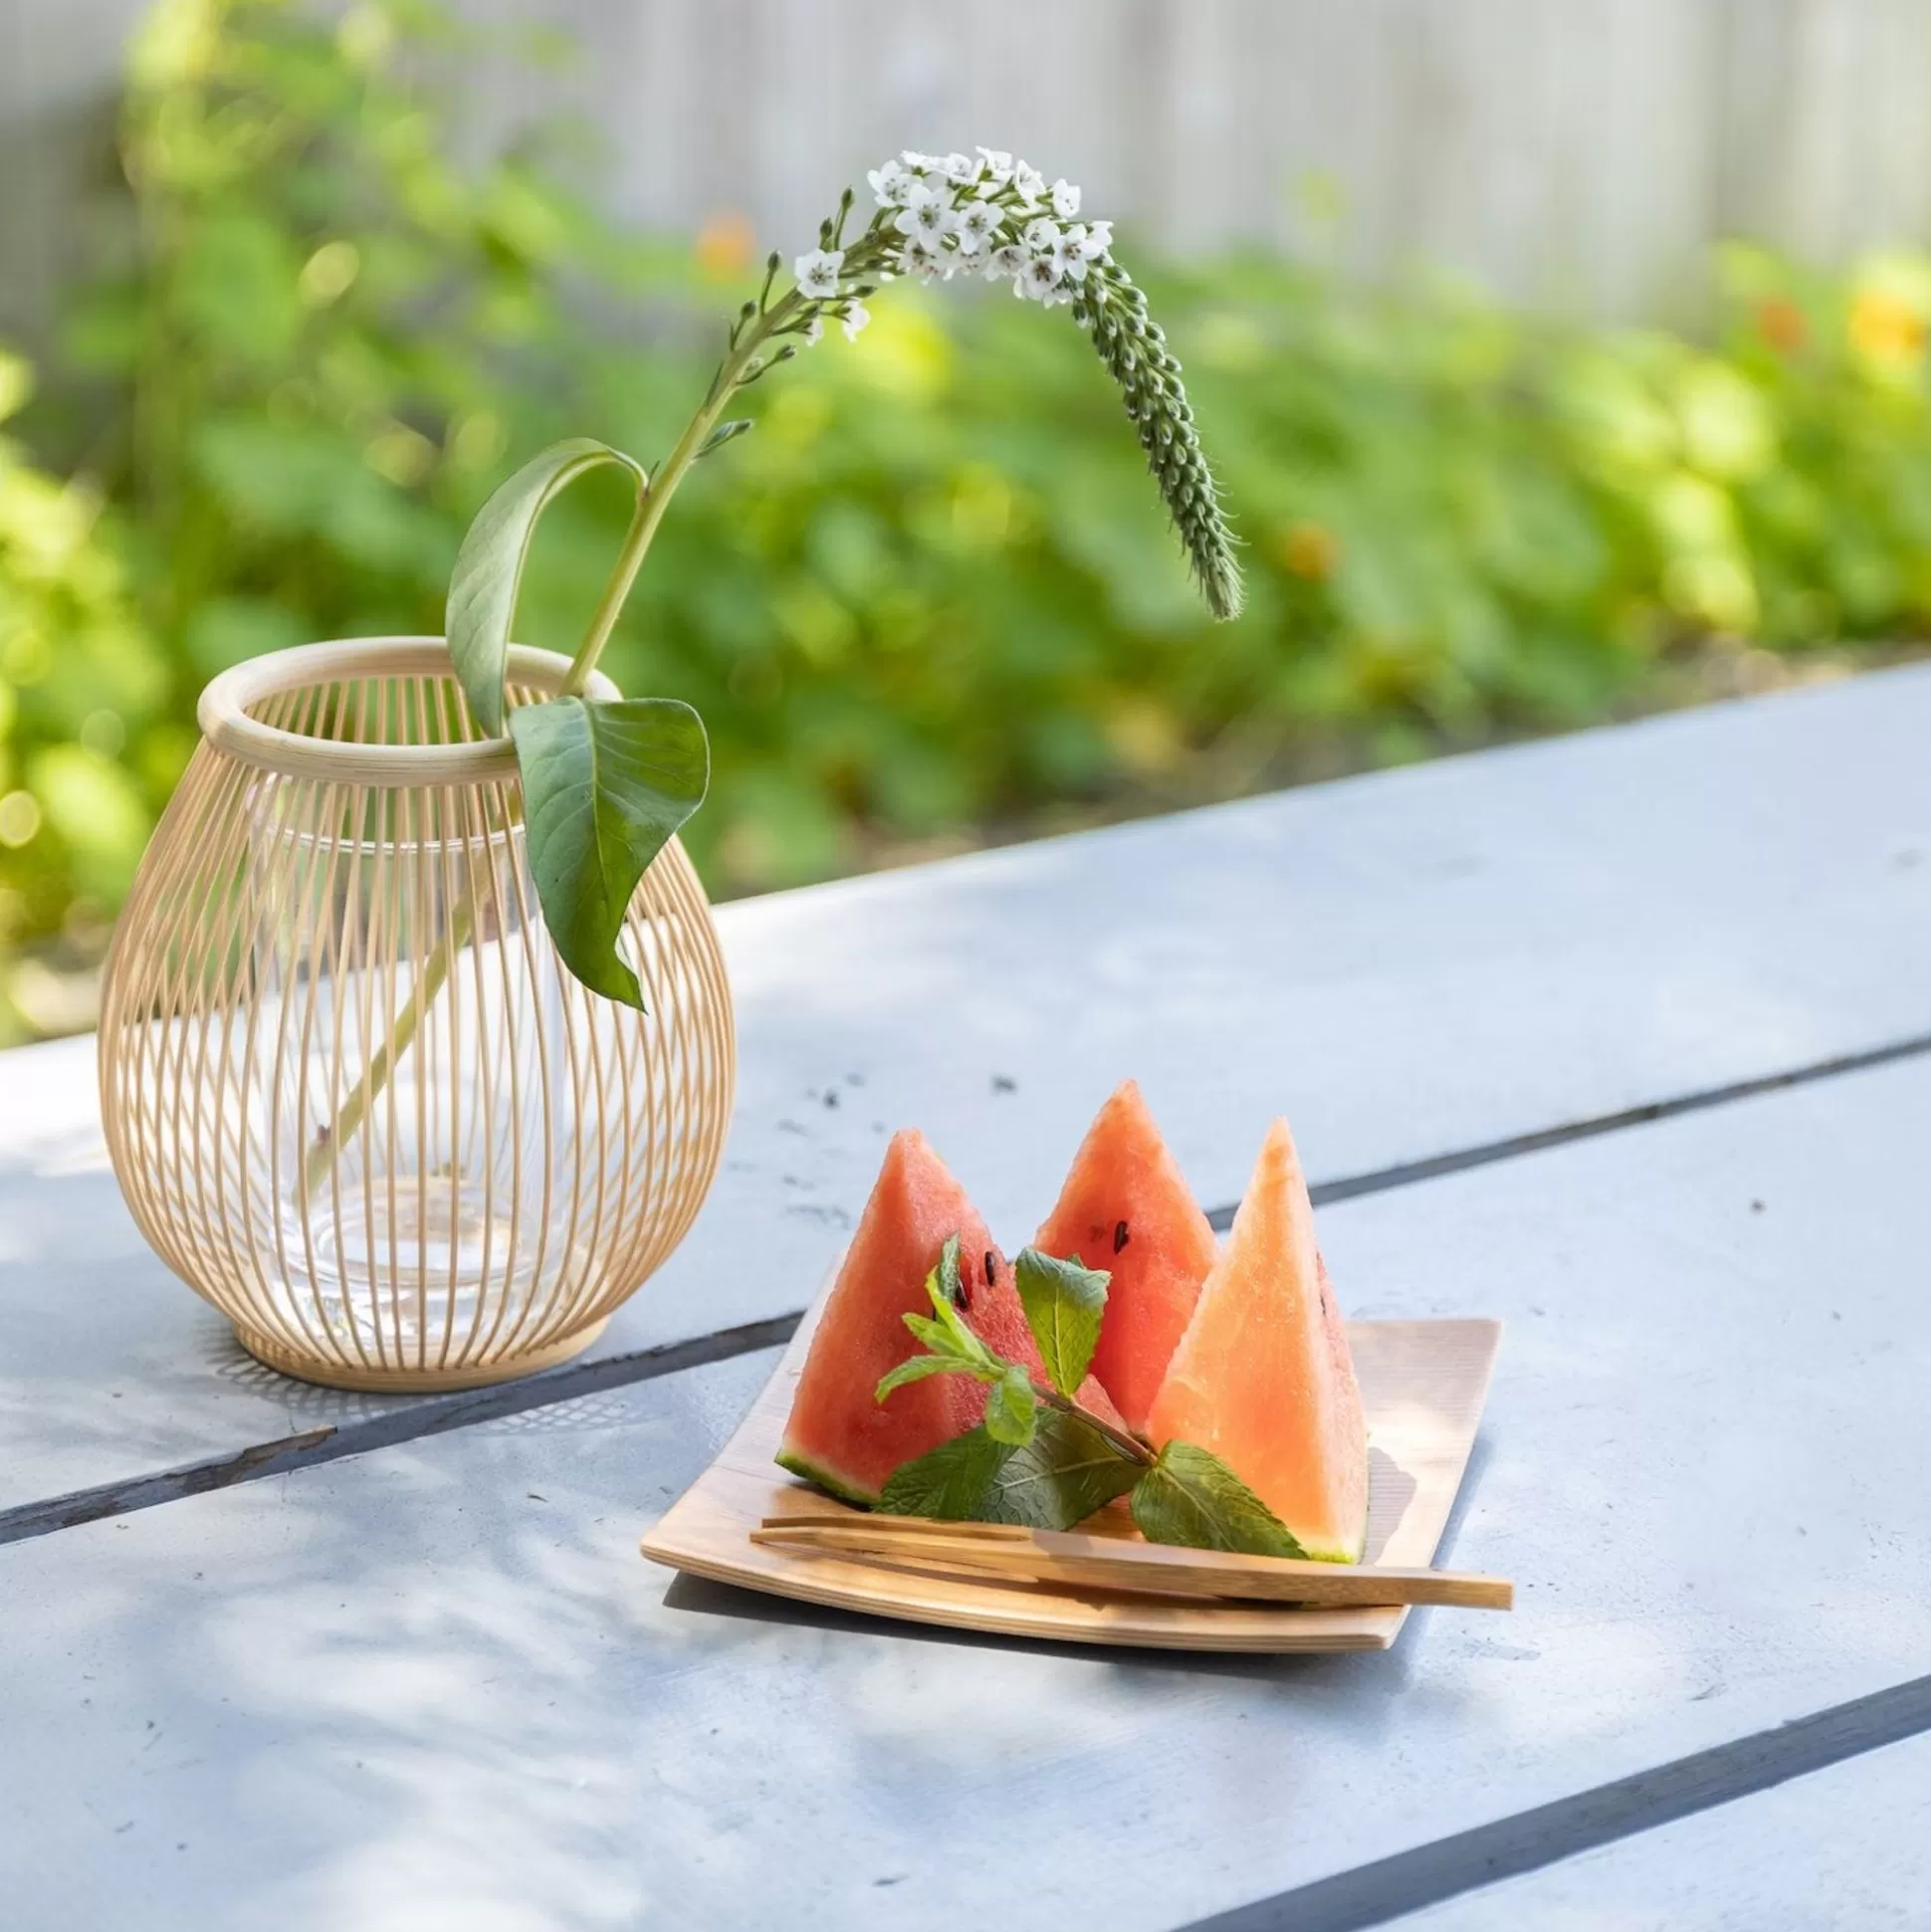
[(605, 786), (489, 567)]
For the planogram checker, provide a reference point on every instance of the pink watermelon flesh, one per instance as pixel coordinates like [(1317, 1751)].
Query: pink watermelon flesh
[(1263, 1378), (839, 1435), (1126, 1207)]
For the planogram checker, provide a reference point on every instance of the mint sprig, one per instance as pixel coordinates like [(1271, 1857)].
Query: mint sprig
[(1040, 1460)]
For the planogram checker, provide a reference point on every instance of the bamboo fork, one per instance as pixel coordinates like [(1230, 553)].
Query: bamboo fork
[(998, 1552)]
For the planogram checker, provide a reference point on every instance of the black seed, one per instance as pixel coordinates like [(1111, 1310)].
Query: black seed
[(1119, 1237), (991, 1267)]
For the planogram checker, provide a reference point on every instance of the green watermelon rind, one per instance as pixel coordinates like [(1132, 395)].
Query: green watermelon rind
[(815, 1472)]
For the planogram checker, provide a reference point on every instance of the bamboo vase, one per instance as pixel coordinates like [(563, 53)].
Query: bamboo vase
[(350, 1091)]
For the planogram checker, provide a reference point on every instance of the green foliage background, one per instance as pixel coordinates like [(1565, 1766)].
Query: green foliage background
[(931, 599)]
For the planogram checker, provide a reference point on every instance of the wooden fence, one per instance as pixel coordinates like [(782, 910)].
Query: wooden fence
[(1578, 154)]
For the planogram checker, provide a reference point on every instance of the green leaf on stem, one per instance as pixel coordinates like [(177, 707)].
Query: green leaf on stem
[(1069, 1469), (604, 788), (1012, 1408), (489, 567), (1064, 1303), (950, 1483), (914, 1368), (1191, 1497), (945, 1331)]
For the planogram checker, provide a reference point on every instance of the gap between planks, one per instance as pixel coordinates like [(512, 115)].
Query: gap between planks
[(1410, 1882), (436, 1416)]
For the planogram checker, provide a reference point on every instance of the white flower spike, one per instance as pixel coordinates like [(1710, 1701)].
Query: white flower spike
[(943, 215), (817, 273)]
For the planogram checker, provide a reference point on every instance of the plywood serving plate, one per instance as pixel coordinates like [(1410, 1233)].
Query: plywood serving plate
[(1423, 1383)]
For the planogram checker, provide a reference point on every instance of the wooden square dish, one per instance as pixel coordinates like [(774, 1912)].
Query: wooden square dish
[(1424, 1384)]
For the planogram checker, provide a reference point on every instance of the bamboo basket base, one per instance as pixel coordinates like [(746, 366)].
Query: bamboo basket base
[(413, 1382)]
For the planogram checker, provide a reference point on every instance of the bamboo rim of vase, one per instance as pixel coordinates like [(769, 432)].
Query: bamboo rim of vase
[(223, 714)]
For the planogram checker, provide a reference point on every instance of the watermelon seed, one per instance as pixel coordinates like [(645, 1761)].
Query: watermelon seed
[(1119, 1237), (992, 1266)]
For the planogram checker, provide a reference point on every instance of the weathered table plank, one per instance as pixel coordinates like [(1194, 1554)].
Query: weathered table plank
[(1845, 1850), (440, 1674), (1409, 964)]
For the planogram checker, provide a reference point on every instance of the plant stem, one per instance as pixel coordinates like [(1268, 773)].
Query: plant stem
[(324, 1149), (663, 486), (1129, 1446)]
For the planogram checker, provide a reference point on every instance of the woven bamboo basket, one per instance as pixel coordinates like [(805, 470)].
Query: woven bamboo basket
[(352, 1094)]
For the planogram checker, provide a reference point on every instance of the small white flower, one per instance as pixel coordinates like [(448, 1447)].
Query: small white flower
[(1068, 254), (892, 183), (1099, 238), (813, 331), (959, 169), (1005, 262), (998, 164), (1038, 279), (1066, 199), (921, 259), (918, 162), (977, 223), (1041, 235), (1028, 184), (854, 315), (928, 215), (818, 272)]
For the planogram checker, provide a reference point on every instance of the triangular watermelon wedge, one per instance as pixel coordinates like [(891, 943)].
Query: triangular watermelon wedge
[(1126, 1207), (1263, 1378), (839, 1435)]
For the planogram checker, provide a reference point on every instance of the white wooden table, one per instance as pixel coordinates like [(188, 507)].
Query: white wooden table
[(1626, 1038)]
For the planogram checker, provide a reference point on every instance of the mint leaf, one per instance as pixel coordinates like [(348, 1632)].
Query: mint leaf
[(1069, 1469), (1191, 1497), (950, 1483), (914, 1368), (949, 1333), (1012, 1408), (1064, 1303)]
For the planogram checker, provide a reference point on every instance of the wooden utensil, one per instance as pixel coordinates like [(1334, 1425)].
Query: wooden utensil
[(1071, 1559)]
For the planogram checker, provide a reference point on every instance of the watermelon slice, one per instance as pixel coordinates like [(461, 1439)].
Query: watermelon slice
[(839, 1435), (1125, 1207), (1262, 1378)]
